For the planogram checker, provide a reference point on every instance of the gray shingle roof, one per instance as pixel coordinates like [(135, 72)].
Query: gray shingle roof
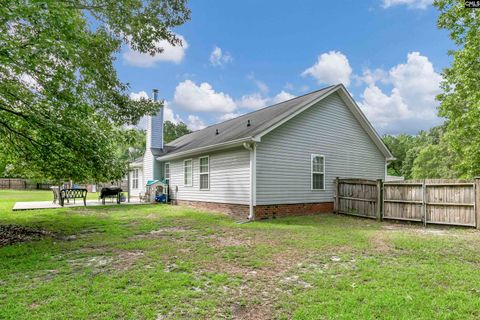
[(237, 128)]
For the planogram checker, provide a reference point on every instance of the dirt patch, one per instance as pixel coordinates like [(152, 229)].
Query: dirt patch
[(409, 228), (118, 260), (162, 232), (168, 230), (221, 240), (260, 287), (241, 312), (10, 234), (381, 242)]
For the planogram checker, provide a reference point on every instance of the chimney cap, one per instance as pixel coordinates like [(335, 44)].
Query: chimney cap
[(155, 90)]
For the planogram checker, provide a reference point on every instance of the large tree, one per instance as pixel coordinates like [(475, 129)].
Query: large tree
[(62, 106), (460, 101), (172, 131)]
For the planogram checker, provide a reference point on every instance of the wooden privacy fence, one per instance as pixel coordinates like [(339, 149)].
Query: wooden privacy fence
[(359, 197), (430, 201)]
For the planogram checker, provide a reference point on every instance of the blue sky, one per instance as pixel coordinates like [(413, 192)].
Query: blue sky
[(239, 56)]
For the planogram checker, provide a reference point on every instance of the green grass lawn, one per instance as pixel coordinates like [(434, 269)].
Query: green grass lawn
[(169, 262)]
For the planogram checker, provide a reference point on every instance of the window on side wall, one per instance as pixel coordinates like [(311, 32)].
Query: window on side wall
[(318, 172), (204, 173), (187, 173), (135, 179), (167, 172)]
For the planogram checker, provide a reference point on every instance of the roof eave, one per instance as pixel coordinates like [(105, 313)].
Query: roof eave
[(215, 147)]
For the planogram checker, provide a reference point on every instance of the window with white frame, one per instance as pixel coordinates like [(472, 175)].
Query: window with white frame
[(204, 173), (167, 172), (318, 172), (187, 173), (135, 179)]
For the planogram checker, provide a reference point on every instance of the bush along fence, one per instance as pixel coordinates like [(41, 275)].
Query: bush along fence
[(429, 201)]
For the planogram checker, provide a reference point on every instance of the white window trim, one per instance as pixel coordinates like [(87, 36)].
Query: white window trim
[(311, 172), (169, 172), (135, 177), (191, 167), (200, 173)]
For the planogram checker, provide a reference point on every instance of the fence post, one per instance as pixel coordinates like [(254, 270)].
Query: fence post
[(424, 203), (378, 214), (477, 202), (337, 199)]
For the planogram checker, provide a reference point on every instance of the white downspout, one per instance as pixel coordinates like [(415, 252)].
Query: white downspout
[(253, 176)]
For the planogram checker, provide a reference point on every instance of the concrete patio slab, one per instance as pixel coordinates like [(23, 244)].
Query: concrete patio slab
[(34, 205)]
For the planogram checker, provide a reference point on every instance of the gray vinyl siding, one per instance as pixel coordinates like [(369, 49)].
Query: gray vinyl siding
[(229, 178), (329, 129)]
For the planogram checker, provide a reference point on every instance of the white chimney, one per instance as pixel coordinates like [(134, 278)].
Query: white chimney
[(151, 167), (155, 127)]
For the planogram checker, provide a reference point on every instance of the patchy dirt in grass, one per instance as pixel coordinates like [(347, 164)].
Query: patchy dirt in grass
[(223, 239), (162, 232), (276, 275), (168, 230), (118, 260), (252, 313), (381, 242), (10, 234), (418, 229), (261, 287)]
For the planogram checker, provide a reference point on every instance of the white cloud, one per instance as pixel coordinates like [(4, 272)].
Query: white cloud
[(138, 95), (372, 76), (331, 68), (169, 115), (262, 86), (203, 97), (282, 96), (410, 105), (170, 54), (195, 123), (257, 101), (218, 58), (413, 4), (228, 116), (253, 101)]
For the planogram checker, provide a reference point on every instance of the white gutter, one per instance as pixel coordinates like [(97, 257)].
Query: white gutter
[(218, 146), (253, 178)]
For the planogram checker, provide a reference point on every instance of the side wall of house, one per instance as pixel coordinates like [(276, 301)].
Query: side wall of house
[(327, 128), (229, 178)]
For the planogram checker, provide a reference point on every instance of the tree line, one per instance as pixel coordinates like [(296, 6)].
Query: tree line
[(421, 156)]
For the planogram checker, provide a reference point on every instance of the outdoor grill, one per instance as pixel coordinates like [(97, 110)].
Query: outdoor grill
[(110, 192)]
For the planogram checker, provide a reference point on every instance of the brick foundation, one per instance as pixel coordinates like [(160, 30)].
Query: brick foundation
[(289, 210), (240, 211)]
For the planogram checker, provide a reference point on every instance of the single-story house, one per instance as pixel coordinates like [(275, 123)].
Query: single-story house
[(276, 161)]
